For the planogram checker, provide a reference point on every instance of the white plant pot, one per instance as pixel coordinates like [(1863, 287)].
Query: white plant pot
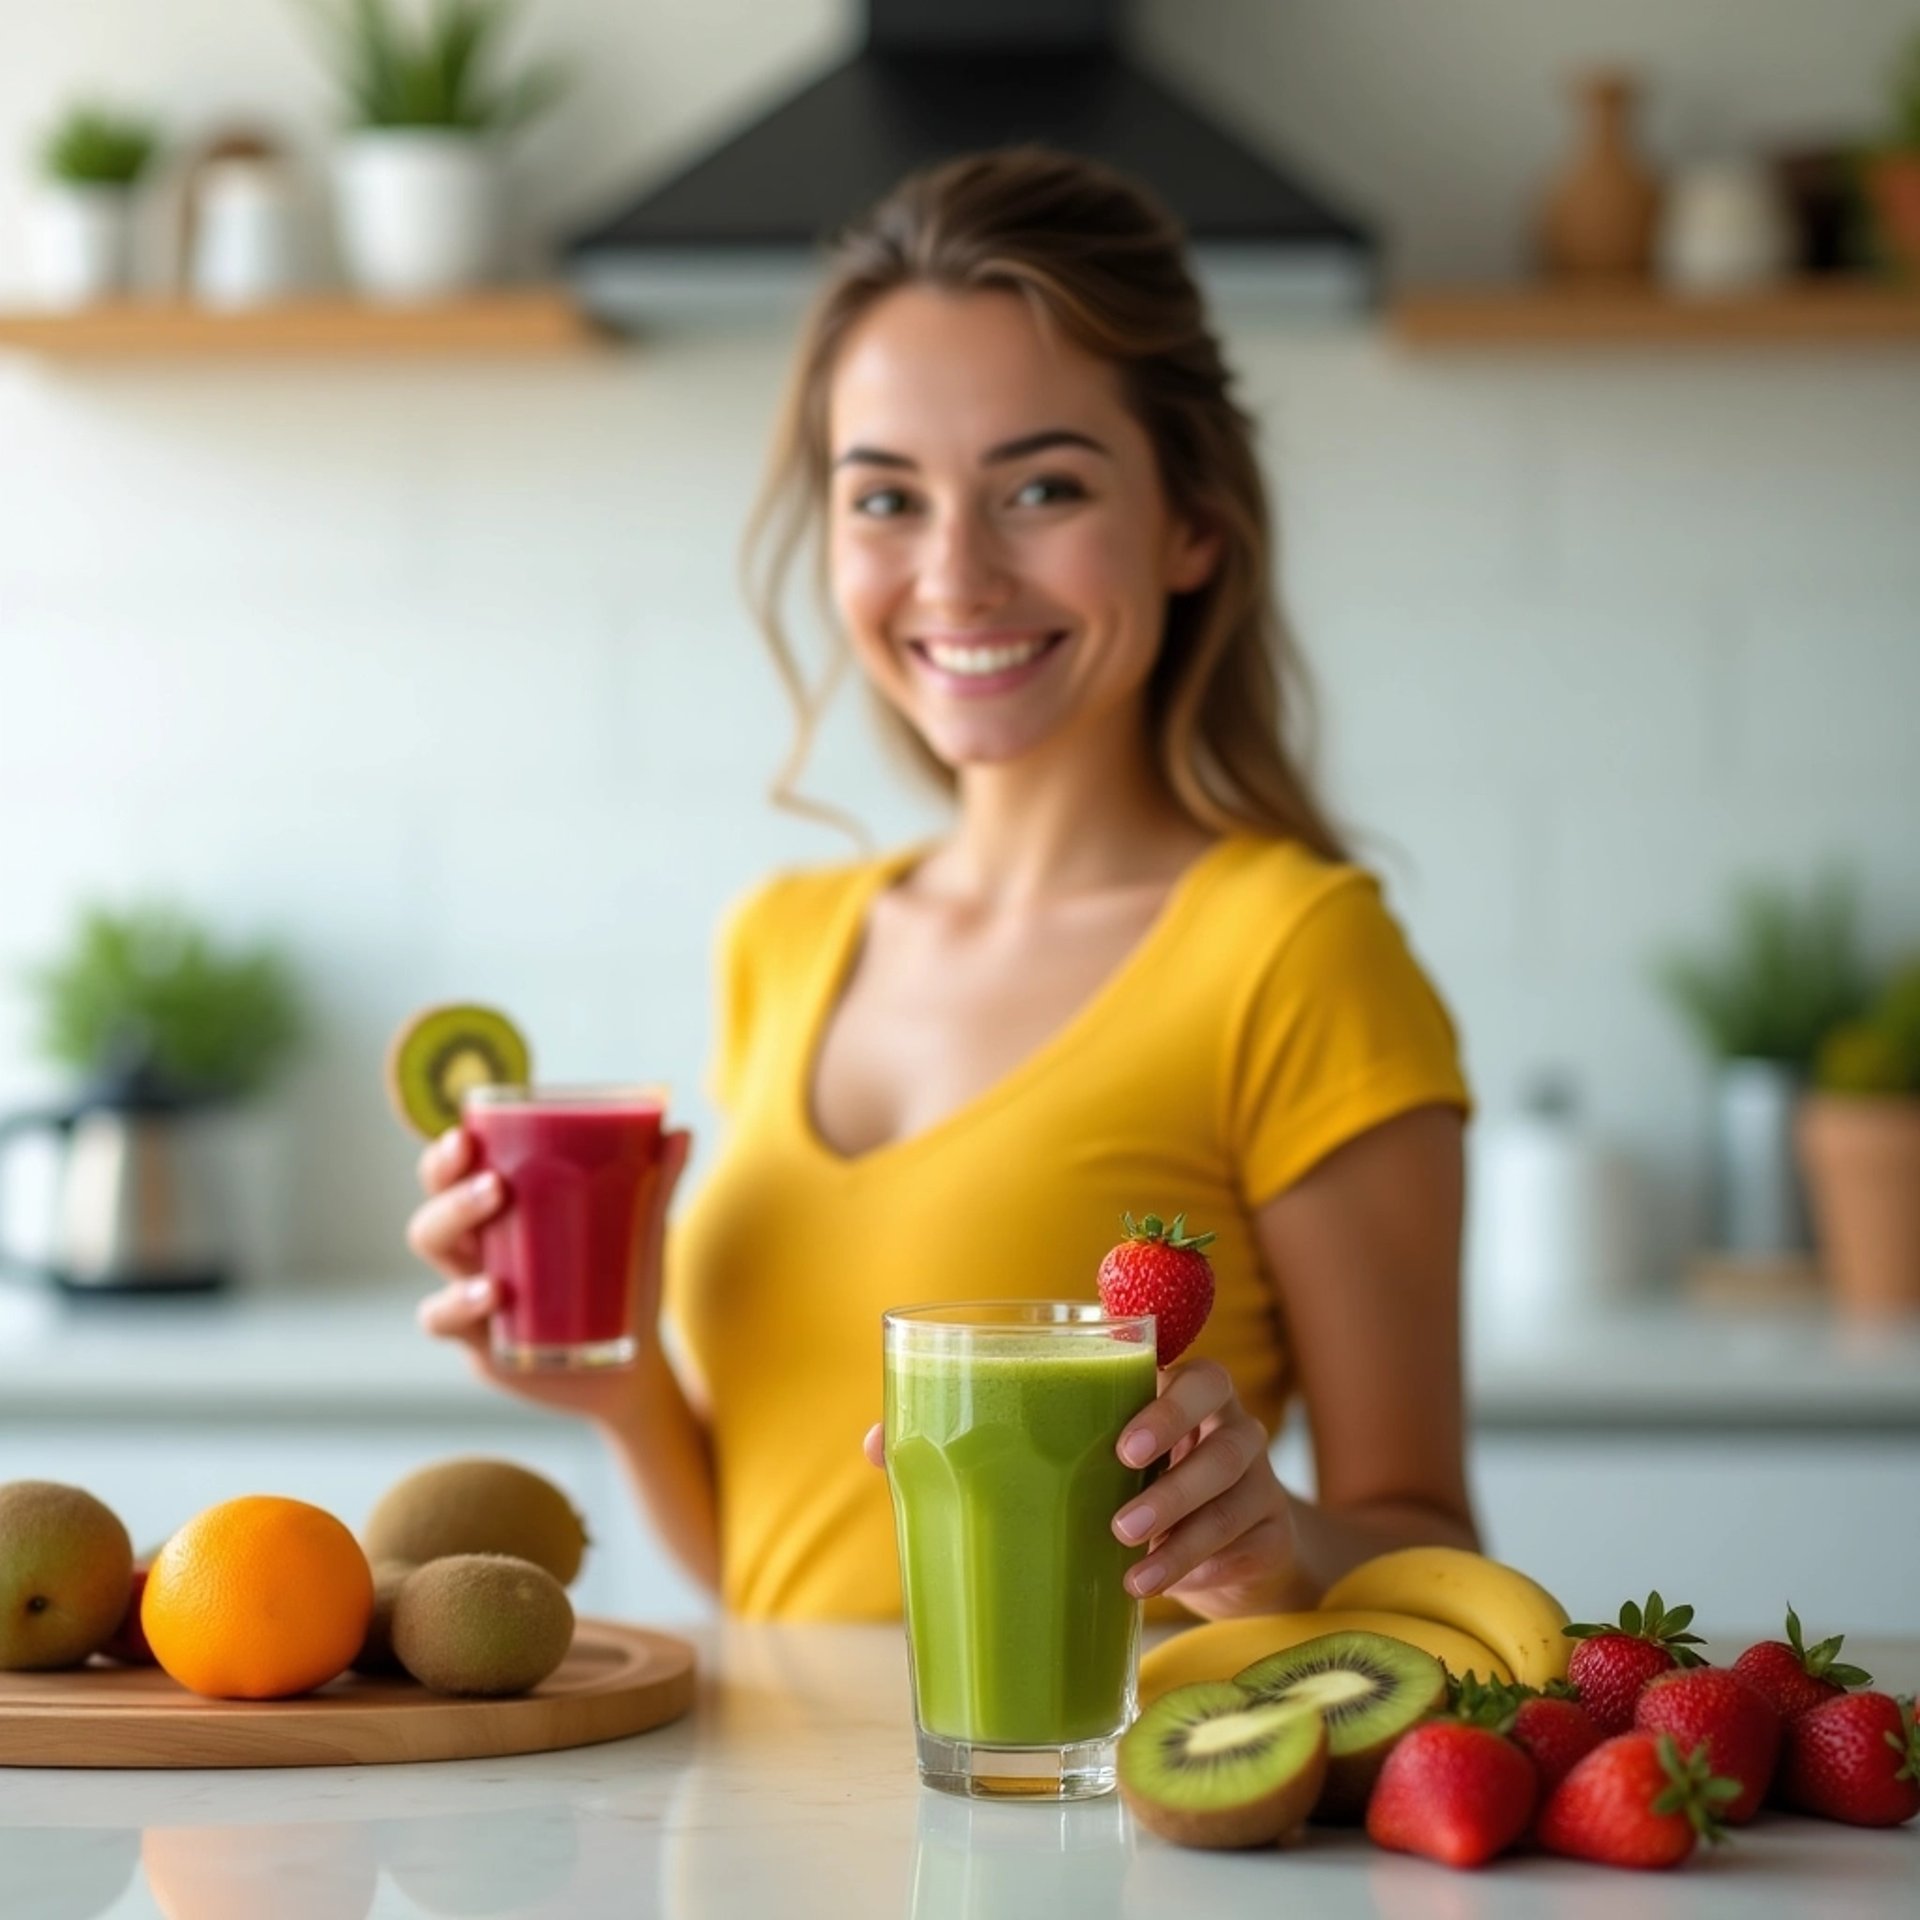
[(79, 243), (417, 211)]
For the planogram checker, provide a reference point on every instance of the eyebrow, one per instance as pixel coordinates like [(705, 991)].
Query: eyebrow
[(1029, 443)]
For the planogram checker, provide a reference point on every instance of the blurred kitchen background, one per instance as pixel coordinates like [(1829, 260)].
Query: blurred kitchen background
[(398, 651)]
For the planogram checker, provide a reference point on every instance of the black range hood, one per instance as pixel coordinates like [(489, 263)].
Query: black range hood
[(941, 77)]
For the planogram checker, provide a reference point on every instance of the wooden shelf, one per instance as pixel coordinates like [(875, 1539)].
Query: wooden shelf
[(528, 322), (1811, 314)]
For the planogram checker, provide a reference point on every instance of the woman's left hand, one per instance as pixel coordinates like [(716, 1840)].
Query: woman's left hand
[(1217, 1523)]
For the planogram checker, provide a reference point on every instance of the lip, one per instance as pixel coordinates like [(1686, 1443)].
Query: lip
[(973, 686)]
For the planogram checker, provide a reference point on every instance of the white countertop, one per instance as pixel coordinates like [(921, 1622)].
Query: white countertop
[(790, 1793), (343, 1349)]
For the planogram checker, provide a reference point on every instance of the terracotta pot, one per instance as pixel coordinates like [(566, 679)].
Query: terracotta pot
[(1600, 215), (1893, 182), (1861, 1155)]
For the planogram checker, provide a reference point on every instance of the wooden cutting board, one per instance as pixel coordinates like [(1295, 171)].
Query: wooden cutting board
[(614, 1681)]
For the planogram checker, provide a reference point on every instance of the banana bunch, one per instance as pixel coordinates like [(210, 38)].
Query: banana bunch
[(1471, 1613), (1222, 1648)]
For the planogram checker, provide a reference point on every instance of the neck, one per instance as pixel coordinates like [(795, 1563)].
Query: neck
[(1080, 814)]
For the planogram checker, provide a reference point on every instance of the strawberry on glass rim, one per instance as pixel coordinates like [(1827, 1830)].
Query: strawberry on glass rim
[(1161, 1270)]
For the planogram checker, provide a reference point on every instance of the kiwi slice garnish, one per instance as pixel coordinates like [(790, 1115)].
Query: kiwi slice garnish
[(444, 1052), (1210, 1766), (1368, 1688)]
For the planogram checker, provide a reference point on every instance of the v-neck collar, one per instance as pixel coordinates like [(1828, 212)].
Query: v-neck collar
[(829, 988)]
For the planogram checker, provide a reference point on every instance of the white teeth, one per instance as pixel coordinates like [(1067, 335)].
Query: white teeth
[(984, 660)]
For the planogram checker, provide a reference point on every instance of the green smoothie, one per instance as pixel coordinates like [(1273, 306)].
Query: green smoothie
[(1005, 1484)]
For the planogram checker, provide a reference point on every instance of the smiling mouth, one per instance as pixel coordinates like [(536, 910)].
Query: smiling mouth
[(985, 660)]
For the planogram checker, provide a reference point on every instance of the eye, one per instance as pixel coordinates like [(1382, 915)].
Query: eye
[(881, 503), (1048, 489)]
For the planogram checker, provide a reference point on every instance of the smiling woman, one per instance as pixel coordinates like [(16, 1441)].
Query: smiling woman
[(1138, 974)]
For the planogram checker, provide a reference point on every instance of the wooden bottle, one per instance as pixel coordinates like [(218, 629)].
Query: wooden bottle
[(1599, 218)]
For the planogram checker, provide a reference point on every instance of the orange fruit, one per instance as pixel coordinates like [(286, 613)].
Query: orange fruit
[(257, 1598)]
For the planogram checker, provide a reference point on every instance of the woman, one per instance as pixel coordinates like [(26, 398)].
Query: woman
[(1138, 974)]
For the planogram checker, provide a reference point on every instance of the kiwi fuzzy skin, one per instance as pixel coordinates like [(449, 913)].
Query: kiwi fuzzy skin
[(481, 1624)]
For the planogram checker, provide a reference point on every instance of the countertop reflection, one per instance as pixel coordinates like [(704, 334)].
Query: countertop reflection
[(789, 1791)]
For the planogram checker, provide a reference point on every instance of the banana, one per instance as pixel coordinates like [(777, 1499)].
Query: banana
[(1222, 1648), (1517, 1617)]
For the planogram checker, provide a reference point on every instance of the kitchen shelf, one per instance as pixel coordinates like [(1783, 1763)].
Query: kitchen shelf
[(527, 322), (1815, 313)]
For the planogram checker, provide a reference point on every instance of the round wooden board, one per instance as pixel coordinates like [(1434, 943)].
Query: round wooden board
[(614, 1681)]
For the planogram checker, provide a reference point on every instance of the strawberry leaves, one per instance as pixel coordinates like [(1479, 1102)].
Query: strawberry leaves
[(1657, 1623)]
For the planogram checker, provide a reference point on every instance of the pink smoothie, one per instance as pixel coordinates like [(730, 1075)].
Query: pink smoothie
[(577, 1175)]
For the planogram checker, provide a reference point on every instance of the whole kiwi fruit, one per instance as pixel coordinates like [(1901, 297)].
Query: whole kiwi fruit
[(66, 1570), (477, 1506), (481, 1623)]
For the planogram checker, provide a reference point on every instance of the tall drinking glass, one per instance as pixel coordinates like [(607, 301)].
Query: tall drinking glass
[(1001, 1422), (578, 1164)]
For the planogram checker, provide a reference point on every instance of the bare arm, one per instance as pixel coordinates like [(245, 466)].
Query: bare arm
[(664, 1446), (1364, 1251)]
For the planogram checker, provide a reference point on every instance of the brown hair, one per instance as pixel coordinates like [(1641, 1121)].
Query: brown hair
[(1100, 260)]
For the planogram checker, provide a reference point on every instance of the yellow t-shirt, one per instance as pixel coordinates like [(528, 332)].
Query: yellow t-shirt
[(1271, 1012)]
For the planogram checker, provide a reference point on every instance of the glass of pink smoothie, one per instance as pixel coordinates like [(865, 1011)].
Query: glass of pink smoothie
[(578, 1165)]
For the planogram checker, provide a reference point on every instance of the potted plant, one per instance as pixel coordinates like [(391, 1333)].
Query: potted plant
[(1761, 1006), (171, 1038), (1893, 174), (80, 219), (416, 187), (1859, 1139)]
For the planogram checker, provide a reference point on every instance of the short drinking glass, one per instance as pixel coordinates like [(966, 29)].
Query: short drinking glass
[(578, 1164), (1001, 1423)]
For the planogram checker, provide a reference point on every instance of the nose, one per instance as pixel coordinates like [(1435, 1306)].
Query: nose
[(962, 568)]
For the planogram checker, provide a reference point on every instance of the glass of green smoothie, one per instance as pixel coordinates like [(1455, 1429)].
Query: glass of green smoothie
[(1001, 1423)]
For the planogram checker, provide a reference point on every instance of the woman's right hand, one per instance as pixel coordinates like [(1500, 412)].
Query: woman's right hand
[(445, 1232)]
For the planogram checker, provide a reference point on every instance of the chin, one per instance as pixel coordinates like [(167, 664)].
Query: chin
[(981, 746)]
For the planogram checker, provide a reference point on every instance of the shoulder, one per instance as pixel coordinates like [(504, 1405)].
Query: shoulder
[(797, 905), (1264, 894)]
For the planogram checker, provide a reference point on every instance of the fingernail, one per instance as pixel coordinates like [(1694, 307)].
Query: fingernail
[(484, 1186), (476, 1293), (1136, 1449), (449, 1143), (1135, 1524), (1146, 1579)]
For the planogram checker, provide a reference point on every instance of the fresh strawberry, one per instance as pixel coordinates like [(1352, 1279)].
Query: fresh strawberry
[(1612, 1663), (1555, 1732), (1714, 1707), (1855, 1758), (1634, 1802), (1161, 1270), (1452, 1792), (1549, 1726), (1795, 1676)]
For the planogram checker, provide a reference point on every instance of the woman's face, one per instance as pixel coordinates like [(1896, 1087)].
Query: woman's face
[(999, 545)]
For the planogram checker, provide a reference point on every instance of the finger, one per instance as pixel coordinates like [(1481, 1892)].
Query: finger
[(1206, 1534), (459, 1311), (874, 1445), (444, 1159), (1255, 1558), (1192, 1393), (1222, 1459), (442, 1230)]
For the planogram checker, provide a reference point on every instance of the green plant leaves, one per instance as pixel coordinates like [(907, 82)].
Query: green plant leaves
[(94, 146), (1789, 973), (436, 73), (150, 982)]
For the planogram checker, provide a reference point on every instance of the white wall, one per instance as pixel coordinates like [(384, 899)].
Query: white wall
[(440, 673)]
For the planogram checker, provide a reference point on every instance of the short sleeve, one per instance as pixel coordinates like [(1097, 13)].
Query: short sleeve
[(735, 969), (1341, 1032)]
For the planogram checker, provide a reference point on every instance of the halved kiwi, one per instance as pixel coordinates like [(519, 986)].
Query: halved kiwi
[(1210, 1766), (441, 1053), (1368, 1687)]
